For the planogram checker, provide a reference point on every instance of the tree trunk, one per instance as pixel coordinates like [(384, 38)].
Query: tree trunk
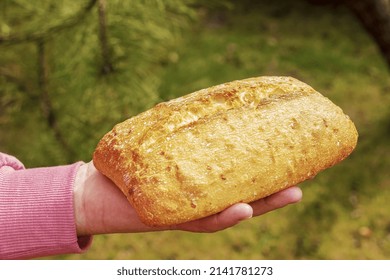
[(375, 17), (107, 66)]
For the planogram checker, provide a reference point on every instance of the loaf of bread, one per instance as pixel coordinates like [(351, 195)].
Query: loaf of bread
[(236, 142)]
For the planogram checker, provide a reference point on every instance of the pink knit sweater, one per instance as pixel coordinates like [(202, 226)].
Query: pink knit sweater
[(36, 211)]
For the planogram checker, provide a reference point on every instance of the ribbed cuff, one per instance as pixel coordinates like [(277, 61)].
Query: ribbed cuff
[(37, 214)]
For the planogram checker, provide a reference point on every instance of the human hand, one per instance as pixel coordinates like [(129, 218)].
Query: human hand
[(100, 207)]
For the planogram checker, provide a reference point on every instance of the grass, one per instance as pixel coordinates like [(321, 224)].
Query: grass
[(345, 212)]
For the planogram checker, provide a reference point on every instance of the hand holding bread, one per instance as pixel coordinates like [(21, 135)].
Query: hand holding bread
[(196, 155)]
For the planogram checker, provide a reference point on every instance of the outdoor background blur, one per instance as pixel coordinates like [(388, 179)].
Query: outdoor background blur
[(70, 70)]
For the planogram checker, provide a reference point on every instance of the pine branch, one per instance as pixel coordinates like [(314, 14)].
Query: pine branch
[(41, 34), (46, 104)]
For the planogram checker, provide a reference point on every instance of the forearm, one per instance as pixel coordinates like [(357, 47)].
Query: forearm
[(36, 211)]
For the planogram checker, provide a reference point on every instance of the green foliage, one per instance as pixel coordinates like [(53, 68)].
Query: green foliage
[(85, 99), (159, 51)]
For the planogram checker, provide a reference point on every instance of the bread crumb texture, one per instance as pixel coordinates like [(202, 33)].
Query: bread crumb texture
[(237, 142)]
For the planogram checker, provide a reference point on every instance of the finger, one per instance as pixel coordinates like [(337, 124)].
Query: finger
[(225, 219), (277, 200)]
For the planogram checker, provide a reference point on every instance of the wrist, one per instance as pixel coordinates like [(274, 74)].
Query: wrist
[(78, 199), (100, 207)]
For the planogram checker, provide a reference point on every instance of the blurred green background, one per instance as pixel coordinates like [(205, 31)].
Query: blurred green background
[(70, 70)]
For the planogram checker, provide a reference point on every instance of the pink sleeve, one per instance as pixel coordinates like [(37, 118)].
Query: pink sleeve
[(36, 211)]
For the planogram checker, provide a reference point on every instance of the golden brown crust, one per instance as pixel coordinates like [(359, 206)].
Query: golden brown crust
[(237, 142)]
